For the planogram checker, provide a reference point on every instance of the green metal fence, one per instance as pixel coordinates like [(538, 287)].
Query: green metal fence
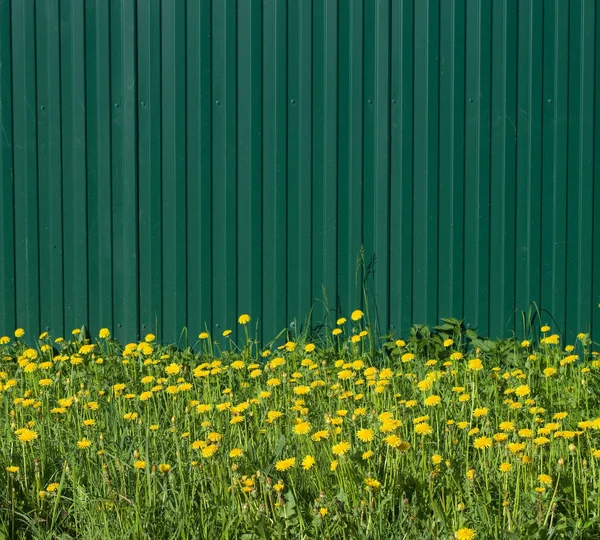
[(170, 164)]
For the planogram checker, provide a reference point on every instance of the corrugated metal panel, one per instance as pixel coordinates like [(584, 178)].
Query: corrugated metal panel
[(174, 164)]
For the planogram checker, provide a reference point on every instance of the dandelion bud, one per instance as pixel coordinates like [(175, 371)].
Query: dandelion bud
[(234, 467), (585, 463), (561, 462), (572, 448), (136, 454)]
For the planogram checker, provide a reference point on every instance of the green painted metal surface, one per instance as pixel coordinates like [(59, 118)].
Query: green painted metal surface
[(170, 164)]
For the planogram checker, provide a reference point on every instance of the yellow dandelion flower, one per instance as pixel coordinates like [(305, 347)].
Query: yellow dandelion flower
[(27, 435), (84, 443), (423, 429), (302, 428), (373, 483), (236, 453), (357, 315), (481, 443), (432, 401), (545, 479), (465, 534), (209, 450), (308, 462), (320, 435), (285, 464), (341, 448), (365, 435)]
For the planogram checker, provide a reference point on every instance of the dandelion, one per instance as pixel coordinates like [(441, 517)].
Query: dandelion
[(236, 453), (84, 443), (12, 469), (302, 428), (369, 453), (308, 462), (244, 319), (423, 429), (285, 464), (436, 459), (139, 464), (432, 401), (173, 369), (209, 450), (480, 411), (393, 441), (341, 448), (465, 534), (550, 371), (545, 479), (365, 435), (357, 315), (373, 483), (515, 448), (482, 443), (505, 467), (475, 365), (27, 435)]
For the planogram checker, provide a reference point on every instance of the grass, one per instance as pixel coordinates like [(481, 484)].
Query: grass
[(440, 435)]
